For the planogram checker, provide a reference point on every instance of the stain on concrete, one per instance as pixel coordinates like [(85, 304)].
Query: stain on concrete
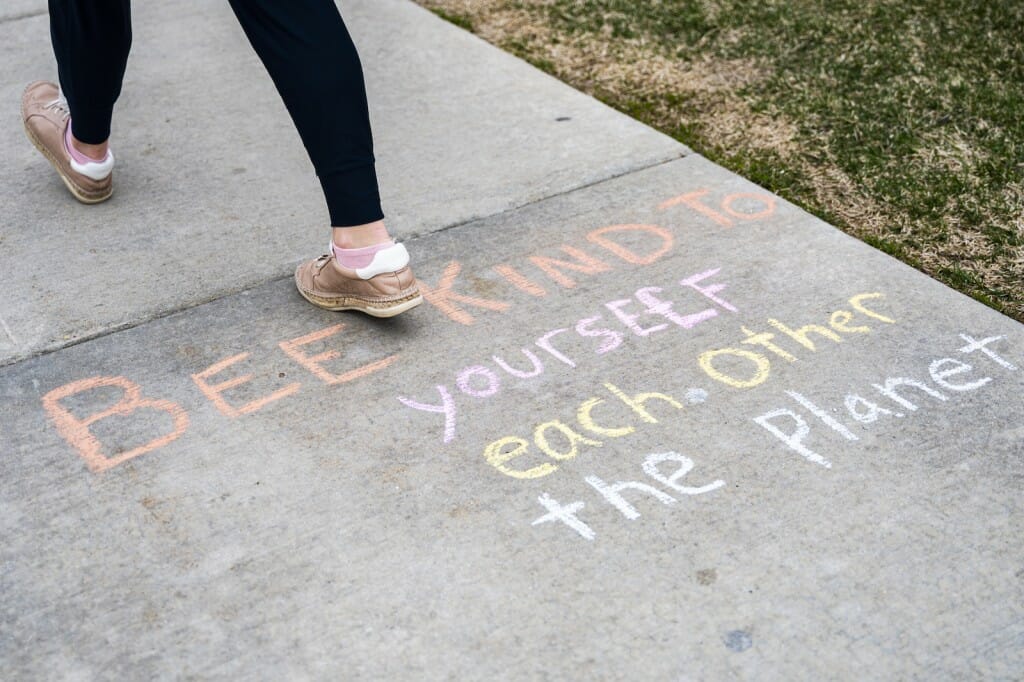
[(707, 576), (738, 640), (696, 396), (463, 510)]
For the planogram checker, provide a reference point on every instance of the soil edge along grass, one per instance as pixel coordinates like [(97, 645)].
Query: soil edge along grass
[(900, 122)]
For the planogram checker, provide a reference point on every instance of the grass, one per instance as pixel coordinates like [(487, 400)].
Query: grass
[(901, 122)]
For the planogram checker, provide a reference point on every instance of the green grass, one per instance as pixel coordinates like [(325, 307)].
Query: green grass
[(460, 20), (918, 105)]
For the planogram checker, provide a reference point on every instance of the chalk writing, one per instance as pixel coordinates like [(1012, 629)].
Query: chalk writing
[(581, 262), (76, 430), (747, 206), (748, 368), (213, 391), (315, 363), (457, 305), (452, 303), (629, 316), (446, 408), (561, 442), (605, 249), (519, 281), (893, 397), (614, 493)]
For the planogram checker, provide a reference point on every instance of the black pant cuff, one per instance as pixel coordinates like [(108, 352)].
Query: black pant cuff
[(91, 125), (353, 197)]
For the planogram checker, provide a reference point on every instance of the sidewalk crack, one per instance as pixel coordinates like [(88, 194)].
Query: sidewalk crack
[(414, 237), (24, 15)]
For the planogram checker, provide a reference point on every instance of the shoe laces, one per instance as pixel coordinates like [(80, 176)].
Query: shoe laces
[(59, 105)]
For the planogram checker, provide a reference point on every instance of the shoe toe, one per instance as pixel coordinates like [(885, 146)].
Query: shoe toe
[(306, 272), (35, 97)]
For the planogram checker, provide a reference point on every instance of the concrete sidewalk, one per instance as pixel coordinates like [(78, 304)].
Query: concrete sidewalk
[(652, 422), (195, 90)]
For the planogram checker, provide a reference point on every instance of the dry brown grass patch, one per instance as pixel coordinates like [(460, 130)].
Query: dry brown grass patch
[(702, 100)]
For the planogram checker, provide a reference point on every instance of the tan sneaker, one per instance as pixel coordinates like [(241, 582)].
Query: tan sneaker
[(384, 288), (45, 114)]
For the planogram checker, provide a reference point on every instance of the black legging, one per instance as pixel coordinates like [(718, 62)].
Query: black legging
[(306, 49)]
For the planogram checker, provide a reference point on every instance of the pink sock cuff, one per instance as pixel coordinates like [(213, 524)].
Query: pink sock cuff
[(78, 156), (358, 258)]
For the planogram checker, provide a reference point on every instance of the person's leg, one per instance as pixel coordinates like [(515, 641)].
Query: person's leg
[(70, 125), (91, 41), (309, 54)]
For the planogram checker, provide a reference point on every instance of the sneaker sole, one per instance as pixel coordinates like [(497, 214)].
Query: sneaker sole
[(354, 303), (76, 191)]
